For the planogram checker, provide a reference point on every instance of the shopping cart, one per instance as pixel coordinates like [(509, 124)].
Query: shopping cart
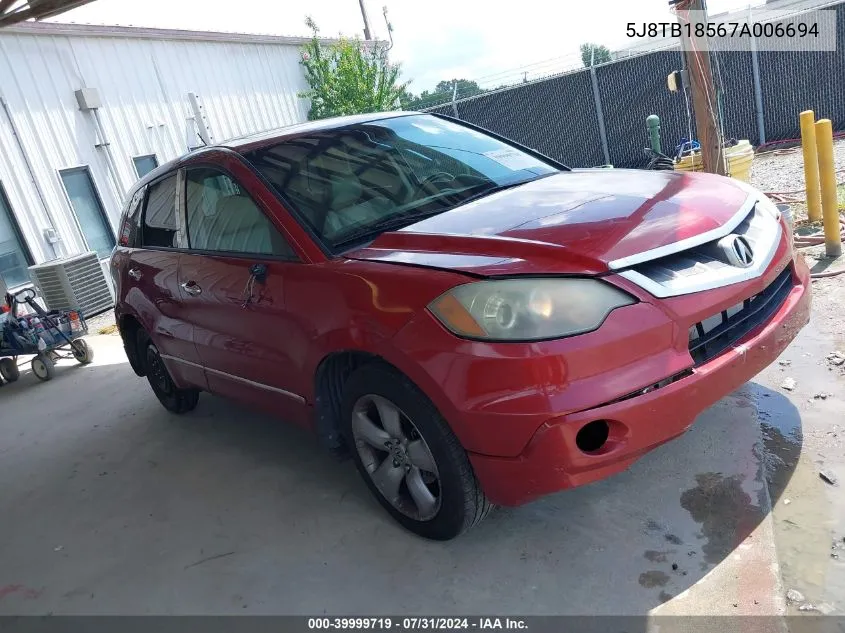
[(47, 336)]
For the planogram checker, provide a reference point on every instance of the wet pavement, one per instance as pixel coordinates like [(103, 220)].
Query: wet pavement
[(121, 508), (802, 440)]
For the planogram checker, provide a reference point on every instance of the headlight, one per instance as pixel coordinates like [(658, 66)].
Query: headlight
[(527, 309)]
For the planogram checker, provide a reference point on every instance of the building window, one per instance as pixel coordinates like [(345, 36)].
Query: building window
[(14, 256), (89, 210), (145, 164)]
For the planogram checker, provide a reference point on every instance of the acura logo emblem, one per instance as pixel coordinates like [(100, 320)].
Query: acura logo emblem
[(738, 250)]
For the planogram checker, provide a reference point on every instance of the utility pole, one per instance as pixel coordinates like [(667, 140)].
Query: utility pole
[(704, 102), (366, 21)]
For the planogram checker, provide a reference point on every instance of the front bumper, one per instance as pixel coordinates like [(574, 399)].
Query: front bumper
[(517, 408), (551, 461)]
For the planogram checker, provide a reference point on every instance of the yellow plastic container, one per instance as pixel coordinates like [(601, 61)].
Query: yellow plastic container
[(740, 157)]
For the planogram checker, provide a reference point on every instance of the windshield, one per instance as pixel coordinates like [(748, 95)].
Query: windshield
[(350, 182)]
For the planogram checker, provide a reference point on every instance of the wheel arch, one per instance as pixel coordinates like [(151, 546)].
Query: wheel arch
[(335, 368), (329, 378), (129, 326)]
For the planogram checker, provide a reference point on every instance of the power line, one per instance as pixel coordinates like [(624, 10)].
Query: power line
[(507, 79)]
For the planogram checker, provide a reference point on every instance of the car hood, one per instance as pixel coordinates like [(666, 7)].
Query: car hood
[(574, 222)]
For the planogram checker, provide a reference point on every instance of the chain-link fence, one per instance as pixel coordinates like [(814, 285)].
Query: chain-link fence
[(598, 115)]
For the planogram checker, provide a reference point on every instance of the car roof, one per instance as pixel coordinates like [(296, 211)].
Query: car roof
[(290, 131), (269, 137)]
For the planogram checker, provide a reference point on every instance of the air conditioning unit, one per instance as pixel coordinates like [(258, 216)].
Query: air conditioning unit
[(73, 283)]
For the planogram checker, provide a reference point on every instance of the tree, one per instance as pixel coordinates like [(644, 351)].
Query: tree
[(466, 88), (349, 77), (408, 100), (602, 54), (442, 93)]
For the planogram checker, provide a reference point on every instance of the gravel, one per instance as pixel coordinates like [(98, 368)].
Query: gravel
[(97, 323), (793, 595), (774, 172)]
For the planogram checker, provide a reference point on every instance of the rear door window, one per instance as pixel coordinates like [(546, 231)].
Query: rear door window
[(130, 227), (161, 223), (223, 217)]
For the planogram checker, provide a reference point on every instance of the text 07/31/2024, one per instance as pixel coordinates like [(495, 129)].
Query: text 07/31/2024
[(417, 623)]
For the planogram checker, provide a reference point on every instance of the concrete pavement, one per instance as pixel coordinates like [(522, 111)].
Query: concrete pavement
[(111, 505)]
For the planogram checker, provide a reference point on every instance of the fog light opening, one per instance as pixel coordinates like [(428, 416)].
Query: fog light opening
[(592, 436)]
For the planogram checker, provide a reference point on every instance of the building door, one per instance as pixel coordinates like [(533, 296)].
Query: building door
[(89, 210), (14, 255)]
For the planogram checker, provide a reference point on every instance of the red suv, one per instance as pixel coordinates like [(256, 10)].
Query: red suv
[(473, 322)]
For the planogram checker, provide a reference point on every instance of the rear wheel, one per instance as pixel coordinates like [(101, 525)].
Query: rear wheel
[(43, 367), (9, 370), (172, 398), (408, 456)]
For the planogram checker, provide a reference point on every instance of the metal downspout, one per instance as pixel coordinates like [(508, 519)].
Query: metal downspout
[(110, 164)]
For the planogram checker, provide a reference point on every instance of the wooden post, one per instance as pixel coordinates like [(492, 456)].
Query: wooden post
[(704, 104)]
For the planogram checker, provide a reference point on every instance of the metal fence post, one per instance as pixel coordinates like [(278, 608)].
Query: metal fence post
[(599, 115), (758, 90), (454, 98)]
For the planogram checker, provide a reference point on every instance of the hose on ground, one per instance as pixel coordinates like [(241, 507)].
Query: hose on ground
[(764, 148), (658, 162), (816, 239), (813, 239), (789, 197)]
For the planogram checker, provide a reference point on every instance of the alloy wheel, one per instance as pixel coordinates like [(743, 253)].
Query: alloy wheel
[(157, 371), (396, 457)]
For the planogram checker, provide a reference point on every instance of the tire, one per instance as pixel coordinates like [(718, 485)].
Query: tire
[(43, 367), (9, 370), (459, 501), (173, 399), (82, 352)]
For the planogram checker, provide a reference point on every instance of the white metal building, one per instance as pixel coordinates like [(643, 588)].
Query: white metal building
[(85, 110)]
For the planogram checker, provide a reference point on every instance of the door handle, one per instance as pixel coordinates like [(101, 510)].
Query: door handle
[(135, 274), (191, 288)]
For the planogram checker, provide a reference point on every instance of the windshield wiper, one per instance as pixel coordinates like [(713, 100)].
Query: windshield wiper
[(396, 222), (391, 223), (493, 189)]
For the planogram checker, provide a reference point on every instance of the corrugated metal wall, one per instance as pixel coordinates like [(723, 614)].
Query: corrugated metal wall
[(143, 85)]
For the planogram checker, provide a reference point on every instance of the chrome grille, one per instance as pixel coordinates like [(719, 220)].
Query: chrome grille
[(714, 335), (707, 266)]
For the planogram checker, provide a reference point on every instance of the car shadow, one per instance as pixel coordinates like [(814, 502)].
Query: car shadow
[(28, 378), (227, 508)]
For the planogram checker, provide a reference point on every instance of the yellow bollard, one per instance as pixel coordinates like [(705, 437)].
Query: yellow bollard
[(811, 165), (827, 176)]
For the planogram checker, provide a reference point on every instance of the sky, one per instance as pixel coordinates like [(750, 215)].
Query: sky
[(492, 42)]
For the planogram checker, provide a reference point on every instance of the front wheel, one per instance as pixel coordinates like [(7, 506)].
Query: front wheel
[(43, 367), (171, 397), (9, 370), (408, 456), (82, 352)]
